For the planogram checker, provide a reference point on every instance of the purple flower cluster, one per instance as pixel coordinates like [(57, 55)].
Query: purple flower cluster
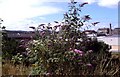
[(90, 51), (89, 65), (42, 33), (78, 51)]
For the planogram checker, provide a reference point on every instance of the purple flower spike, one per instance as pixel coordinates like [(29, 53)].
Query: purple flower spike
[(78, 51), (90, 51), (47, 74), (22, 41), (81, 63), (42, 33), (89, 64), (70, 49), (81, 54)]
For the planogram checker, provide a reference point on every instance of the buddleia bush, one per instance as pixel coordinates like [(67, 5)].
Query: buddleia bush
[(68, 51)]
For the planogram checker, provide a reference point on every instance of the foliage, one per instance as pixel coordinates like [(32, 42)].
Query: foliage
[(67, 51), (9, 69), (13, 49), (8, 47)]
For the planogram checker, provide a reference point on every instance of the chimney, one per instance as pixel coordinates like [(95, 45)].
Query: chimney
[(110, 30)]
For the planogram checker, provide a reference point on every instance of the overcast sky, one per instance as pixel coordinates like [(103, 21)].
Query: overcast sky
[(20, 14)]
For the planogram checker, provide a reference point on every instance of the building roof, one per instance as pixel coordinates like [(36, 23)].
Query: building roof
[(20, 34), (103, 28)]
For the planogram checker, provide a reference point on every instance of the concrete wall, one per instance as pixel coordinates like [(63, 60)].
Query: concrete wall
[(113, 41)]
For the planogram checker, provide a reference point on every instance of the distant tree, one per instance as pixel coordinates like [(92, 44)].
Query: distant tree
[(9, 46)]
